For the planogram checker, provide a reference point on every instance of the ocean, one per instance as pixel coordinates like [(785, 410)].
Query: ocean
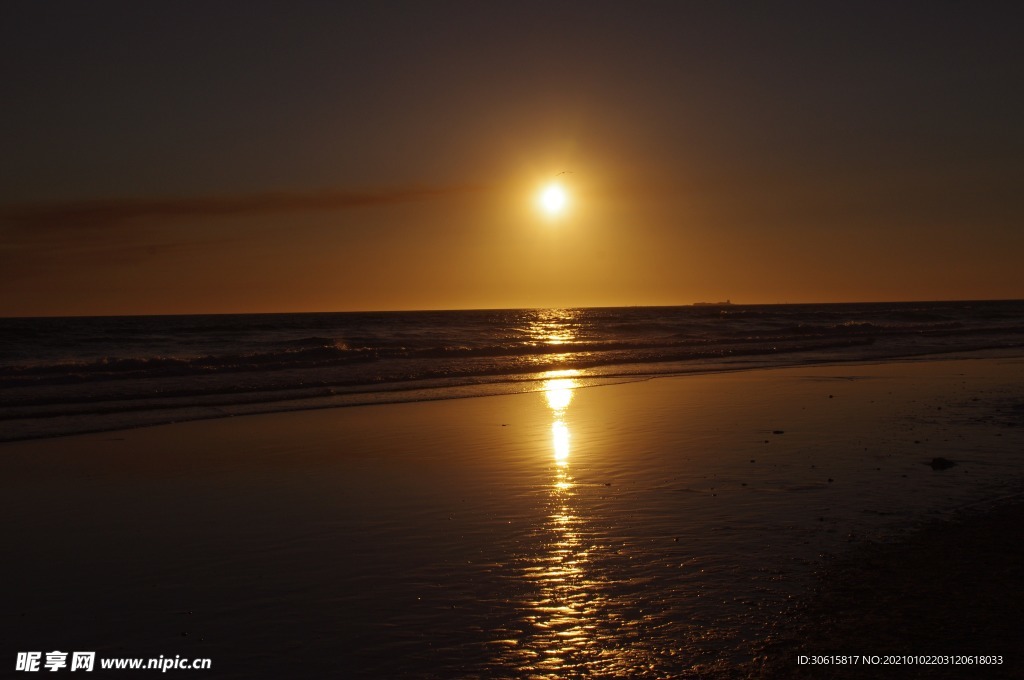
[(62, 376)]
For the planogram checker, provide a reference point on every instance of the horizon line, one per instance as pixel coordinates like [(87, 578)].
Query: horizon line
[(503, 309)]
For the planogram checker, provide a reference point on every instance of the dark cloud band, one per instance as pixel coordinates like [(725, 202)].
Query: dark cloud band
[(99, 213)]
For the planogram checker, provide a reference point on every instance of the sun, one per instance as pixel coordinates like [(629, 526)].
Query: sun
[(553, 199)]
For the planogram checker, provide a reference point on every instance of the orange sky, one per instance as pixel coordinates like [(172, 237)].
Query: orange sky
[(170, 161)]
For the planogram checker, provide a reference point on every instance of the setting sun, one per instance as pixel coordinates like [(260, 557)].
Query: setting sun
[(553, 199)]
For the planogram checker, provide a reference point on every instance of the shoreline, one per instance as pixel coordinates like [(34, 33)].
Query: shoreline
[(129, 419)]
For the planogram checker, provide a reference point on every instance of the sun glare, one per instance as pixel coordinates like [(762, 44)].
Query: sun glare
[(553, 199)]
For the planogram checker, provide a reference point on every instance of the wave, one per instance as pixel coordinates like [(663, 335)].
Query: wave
[(144, 395), (323, 352), (114, 368), (53, 368)]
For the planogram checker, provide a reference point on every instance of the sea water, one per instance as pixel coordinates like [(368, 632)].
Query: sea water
[(69, 375)]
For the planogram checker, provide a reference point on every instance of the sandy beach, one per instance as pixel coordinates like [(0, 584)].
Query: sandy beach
[(659, 528)]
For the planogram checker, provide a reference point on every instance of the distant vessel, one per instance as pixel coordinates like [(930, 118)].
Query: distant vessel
[(713, 304)]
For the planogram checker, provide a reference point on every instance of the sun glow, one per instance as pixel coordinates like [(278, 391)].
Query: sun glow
[(553, 199)]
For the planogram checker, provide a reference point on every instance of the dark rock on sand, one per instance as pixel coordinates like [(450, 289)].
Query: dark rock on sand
[(941, 463)]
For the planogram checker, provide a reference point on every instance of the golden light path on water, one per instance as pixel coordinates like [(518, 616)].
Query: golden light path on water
[(561, 608), (579, 611), (563, 615), (558, 392), (553, 327)]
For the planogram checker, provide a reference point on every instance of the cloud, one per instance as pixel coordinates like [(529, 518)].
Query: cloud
[(115, 212)]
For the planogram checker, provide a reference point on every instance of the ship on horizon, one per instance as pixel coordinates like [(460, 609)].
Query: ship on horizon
[(713, 304)]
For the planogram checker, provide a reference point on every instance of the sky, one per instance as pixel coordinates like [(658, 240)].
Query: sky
[(229, 157)]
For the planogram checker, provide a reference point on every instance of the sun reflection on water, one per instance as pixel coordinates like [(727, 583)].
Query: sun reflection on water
[(576, 610), (553, 327), (558, 392), (560, 440), (562, 614)]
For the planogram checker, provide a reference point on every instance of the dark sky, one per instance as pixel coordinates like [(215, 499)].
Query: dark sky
[(166, 157)]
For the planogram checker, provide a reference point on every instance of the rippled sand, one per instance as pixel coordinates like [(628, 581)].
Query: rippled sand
[(649, 529)]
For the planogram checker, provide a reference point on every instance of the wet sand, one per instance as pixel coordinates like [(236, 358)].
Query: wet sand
[(952, 588), (654, 529)]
